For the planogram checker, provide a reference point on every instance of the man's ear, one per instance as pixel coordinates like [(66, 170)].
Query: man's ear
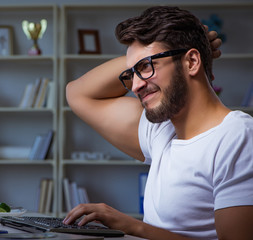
[(193, 61)]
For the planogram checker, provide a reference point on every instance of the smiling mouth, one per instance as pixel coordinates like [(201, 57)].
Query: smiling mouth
[(144, 97)]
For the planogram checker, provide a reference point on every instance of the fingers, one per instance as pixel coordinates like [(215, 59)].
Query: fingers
[(212, 35), (216, 53), (89, 211), (215, 43), (88, 218), (75, 213)]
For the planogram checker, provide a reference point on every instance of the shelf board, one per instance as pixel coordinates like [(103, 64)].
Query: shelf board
[(27, 58), (22, 7), (18, 109), (26, 161), (103, 162), (236, 56)]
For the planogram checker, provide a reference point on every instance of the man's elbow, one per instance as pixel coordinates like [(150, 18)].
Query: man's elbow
[(70, 93)]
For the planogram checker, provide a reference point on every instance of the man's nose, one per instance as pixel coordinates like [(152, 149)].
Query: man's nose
[(138, 83)]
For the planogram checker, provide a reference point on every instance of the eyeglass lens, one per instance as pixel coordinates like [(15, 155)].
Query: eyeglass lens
[(143, 69)]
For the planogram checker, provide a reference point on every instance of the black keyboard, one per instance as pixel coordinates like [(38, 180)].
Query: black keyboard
[(51, 224)]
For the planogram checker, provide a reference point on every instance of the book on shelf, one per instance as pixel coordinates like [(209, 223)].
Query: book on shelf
[(42, 197), (36, 94), (45, 196), (248, 98), (26, 99), (74, 197), (49, 196), (83, 196), (41, 146), (36, 88), (42, 93), (73, 194), (50, 95), (66, 194)]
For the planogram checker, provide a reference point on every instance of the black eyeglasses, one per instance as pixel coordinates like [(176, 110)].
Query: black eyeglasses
[(145, 68)]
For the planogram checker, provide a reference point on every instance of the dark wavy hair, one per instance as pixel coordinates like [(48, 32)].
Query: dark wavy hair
[(173, 27)]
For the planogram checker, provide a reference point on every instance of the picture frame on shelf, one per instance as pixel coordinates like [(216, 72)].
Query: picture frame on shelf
[(6, 40), (89, 41)]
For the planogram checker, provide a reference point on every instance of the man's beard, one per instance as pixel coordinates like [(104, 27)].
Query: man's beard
[(174, 99)]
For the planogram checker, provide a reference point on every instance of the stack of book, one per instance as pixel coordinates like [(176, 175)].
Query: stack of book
[(38, 94), (73, 194)]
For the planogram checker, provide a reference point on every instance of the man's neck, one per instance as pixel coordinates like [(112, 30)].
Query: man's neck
[(199, 116)]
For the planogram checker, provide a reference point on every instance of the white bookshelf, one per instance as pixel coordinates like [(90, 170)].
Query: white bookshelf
[(20, 177)]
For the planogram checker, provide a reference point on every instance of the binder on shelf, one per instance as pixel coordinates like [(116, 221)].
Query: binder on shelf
[(36, 147), (41, 146), (142, 184), (45, 146)]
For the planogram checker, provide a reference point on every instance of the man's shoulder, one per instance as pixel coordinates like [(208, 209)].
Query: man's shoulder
[(236, 128), (238, 120)]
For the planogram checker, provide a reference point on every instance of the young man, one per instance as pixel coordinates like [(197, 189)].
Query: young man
[(201, 174)]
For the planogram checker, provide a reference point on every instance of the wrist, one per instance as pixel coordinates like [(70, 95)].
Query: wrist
[(136, 228)]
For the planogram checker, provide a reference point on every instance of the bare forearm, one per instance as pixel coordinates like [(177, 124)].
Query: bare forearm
[(101, 82), (143, 230)]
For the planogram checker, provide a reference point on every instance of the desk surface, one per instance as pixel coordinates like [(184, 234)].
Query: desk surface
[(126, 237)]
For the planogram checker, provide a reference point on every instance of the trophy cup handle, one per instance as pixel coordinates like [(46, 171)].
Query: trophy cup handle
[(43, 24), (25, 29)]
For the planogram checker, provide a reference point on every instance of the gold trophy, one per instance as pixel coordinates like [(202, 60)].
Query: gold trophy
[(34, 31)]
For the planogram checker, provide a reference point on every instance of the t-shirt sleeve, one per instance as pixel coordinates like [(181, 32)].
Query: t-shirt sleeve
[(233, 170)]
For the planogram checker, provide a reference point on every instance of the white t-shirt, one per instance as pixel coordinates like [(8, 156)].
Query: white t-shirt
[(189, 179)]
